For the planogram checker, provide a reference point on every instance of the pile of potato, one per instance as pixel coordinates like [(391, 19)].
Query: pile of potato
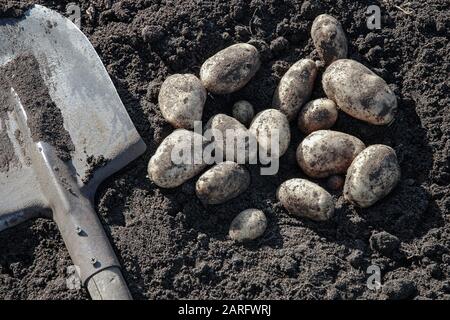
[(366, 174)]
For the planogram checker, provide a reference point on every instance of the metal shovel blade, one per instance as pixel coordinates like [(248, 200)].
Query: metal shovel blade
[(95, 119)]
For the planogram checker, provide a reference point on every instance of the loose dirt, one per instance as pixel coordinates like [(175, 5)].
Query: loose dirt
[(44, 118), (171, 246), (8, 157)]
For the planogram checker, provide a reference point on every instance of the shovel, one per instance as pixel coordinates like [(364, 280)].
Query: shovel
[(36, 180)]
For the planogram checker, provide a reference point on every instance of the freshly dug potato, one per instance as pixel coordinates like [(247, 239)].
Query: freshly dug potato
[(167, 168), (329, 38), (229, 135), (243, 111), (359, 92), (326, 152), (181, 100), (248, 225), (263, 129), (304, 198), (222, 182), (295, 88), (372, 175), (316, 115), (230, 69)]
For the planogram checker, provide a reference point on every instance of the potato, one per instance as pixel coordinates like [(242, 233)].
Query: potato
[(248, 225), (230, 69), (229, 135), (326, 152), (263, 129), (304, 198), (359, 92), (329, 38), (295, 88), (243, 111), (317, 115), (181, 100), (223, 182), (172, 165), (372, 175)]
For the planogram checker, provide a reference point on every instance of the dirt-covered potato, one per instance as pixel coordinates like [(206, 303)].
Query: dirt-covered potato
[(243, 111), (222, 182), (359, 92), (372, 175), (316, 115), (271, 127), (229, 135), (304, 198), (295, 88), (329, 38), (172, 165), (326, 152), (230, 69), (181, 100), (248, 225)]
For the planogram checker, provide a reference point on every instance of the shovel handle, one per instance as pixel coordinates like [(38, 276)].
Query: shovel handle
[(81, 230), (108, 284)]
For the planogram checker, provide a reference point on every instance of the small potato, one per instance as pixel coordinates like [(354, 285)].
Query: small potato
[(243, 111), (359, 92), (304, 198), (223, 182), (295, 88), (266, 126), (230, 69), (166, 170), (329, 38), (229, 135), (372, 175), (248, 225), (326, 152), (181, 100), (316, 115)]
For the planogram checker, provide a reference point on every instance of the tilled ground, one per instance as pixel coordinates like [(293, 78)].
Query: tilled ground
[(173, 247)]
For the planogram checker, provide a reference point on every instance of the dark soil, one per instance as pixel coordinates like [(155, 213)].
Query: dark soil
[(173, 247), (93, 163), (44, 118), (12, 9), (8, 157)]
